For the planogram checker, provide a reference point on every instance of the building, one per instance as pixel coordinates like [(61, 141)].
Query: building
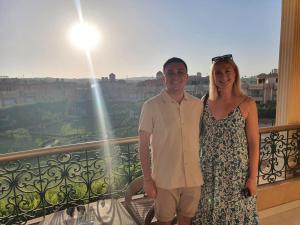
[(14, 91), (265, 89)]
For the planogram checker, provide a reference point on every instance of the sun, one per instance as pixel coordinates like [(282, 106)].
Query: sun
[(84, 36)]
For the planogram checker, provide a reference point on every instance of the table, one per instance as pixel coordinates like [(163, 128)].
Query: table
[(102, 212)]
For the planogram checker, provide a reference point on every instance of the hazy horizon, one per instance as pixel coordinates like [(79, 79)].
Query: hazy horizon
[(137, 36)]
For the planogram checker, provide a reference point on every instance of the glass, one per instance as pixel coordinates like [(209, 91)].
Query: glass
[(220, 58), (172, 73), (86, 217)]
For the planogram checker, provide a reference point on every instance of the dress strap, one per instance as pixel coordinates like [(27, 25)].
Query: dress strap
[(243, 100)]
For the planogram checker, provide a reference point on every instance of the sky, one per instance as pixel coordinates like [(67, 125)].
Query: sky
[(137, 36)]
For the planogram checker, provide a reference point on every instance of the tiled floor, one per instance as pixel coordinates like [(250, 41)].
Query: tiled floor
[(288, 214), (112, 212)]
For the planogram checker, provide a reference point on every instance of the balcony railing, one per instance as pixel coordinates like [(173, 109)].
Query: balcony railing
[(279, 153), (39, 182)]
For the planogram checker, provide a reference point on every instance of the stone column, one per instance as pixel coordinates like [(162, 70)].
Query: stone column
[(288, 93)]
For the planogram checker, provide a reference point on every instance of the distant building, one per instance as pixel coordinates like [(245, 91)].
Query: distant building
[(112, 77), (159, 75), (15, 91), (265, 88), (118, 90), (196, 85)]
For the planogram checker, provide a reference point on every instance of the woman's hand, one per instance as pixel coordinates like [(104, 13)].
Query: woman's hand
[(251, 184)]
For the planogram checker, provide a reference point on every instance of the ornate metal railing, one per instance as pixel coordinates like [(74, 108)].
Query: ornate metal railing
[(38, 182), (279, 153)]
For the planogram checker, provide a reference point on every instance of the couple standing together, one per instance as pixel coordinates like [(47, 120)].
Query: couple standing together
[(223, 175)]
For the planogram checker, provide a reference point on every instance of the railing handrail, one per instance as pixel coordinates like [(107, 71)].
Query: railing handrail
[(278, 128), (65, 148), (97, 144)]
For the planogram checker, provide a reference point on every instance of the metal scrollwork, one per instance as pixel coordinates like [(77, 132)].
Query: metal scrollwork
[(293, 157), (35, 187), (279, 156)]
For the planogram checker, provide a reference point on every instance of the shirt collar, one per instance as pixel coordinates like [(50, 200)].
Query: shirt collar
[(168, 98)]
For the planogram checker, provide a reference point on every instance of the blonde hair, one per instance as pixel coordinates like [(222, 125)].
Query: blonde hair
[(236, 89)]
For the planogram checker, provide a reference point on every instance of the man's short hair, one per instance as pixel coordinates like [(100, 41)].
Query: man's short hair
[(175, 60)]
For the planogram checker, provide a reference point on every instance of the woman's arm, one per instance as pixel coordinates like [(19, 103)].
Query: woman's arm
[(252, 132)]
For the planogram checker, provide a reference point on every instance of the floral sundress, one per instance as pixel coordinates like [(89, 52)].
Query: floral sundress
[(224, 164)]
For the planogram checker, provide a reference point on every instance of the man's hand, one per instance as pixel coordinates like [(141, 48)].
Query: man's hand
[(150, 188)]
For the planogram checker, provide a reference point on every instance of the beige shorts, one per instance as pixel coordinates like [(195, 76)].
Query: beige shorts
[(180, 201)]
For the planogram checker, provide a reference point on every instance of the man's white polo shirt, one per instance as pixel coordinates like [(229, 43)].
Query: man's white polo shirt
[(174, 141)]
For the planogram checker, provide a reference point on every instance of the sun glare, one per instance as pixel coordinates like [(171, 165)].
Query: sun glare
[(84, 36)]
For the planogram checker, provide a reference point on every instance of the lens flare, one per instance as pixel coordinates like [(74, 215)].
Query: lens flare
[(84, 36)]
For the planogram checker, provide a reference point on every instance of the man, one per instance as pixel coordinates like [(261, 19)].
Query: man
[(169, 124)]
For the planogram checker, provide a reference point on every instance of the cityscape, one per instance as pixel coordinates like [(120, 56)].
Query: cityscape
[(45, 112), (18, 91)]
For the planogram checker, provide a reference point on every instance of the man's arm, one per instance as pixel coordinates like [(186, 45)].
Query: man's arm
[(144, 150)]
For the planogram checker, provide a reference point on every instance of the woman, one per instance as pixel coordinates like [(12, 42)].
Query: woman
[(229, 150)]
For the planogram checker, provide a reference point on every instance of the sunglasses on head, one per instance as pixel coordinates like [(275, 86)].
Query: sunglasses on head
[(220, 58)]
